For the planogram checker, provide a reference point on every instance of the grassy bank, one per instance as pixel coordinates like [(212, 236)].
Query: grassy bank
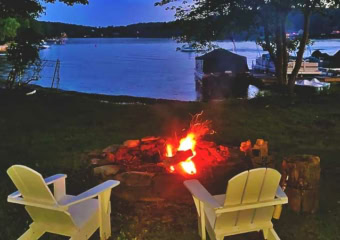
[(51, 132)]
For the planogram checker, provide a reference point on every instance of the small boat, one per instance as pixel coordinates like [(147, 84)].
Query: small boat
[(309, 65), (313, 86), (191, 48), (188, 48), (51, 40), (44, 45)]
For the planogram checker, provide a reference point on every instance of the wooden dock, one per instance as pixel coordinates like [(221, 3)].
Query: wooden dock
[(330, 79), (270, 79), (264, 78)]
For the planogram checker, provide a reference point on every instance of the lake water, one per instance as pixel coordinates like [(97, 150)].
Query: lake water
[(138, 67)]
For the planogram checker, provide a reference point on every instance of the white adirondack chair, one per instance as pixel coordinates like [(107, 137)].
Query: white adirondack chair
[(75, 216), (252, 199)]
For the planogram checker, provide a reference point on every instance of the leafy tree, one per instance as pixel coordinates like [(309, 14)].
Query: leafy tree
[(22, 53), (209, 19), (8, 28)]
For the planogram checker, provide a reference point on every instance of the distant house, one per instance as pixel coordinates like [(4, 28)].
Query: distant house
[(3, 48)]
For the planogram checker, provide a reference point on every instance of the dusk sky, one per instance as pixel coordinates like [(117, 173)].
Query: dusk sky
[(107, 12)]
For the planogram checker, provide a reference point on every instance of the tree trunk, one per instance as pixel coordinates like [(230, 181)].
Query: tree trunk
[(279, 52), (267, 41), (284, 47), (11, 79), (301, 176), (302, 46)]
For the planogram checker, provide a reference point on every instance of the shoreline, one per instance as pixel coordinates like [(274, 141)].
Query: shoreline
[(105, 98)]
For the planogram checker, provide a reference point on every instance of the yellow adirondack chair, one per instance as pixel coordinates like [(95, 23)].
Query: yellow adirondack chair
[(252, 199), (77, 217)]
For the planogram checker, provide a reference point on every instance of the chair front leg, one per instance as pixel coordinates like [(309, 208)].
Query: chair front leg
[(202, 221), (272, 235), (104, 214), (33, 233)]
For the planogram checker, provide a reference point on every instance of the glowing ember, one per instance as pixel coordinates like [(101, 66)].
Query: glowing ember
[(172, 168), (169, 152), (189, 167)]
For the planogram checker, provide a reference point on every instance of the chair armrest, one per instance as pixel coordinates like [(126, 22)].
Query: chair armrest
[(54, 178), (281, 194), (246, 206), (48, 181), (15, 198), (198, 191), (91, 193)]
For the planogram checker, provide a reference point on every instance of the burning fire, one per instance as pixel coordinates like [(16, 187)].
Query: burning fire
[(196, 131), (187, 143)]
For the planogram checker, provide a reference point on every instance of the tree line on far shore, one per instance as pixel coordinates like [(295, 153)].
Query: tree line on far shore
[(322, 26)]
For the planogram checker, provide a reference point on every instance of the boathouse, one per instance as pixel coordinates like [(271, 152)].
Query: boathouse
[(220, 74), (221, 61)]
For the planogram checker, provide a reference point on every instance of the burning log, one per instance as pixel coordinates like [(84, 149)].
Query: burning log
[(179, 157)]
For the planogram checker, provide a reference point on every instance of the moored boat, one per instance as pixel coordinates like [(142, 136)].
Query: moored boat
[(192, 48), (311, 86), (309, 66)]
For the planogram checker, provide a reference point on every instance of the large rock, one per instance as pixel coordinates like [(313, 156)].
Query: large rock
[(111, 148), (131, 143), (135, 179), (99, 162), (106, 171)]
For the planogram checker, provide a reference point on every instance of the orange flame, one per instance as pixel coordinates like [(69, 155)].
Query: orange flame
[(187, 143)]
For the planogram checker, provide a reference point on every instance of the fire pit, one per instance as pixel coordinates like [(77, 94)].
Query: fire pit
[(152, 162)]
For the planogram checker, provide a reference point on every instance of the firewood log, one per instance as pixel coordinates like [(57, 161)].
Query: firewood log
[(179, 157), (301, 177)]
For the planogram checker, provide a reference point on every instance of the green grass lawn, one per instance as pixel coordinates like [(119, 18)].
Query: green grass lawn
[(51, 132)]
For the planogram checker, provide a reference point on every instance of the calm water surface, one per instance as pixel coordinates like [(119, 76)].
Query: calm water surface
[(138, 67)]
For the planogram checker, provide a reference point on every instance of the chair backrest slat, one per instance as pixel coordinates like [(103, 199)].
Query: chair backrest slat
[(235, 189), (252, 191), (31, 185), (269, 188), (234, 196)]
